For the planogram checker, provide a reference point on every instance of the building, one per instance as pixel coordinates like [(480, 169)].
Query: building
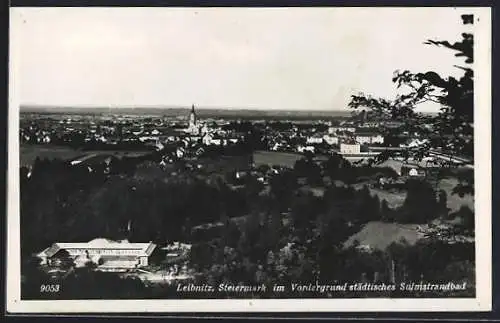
[(371, 124), (316, 139), (210, 139), (414, 143), (413, 170), (350, 148), (95, 161), (303, 149), (180, 152), (331, 140), (108, 255), (176, 252), (369, 139), (193, 123), (207, 139), (334, 130)]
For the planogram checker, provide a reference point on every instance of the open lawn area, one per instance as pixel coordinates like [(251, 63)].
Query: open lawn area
[(395, 199), (28, 153), (379, 235), (272, 158), (225, 164)]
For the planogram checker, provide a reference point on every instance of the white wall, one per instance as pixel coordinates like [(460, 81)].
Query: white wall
[(350, 149)]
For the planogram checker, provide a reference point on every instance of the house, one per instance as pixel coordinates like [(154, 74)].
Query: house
[(200, 151), (240, 174), (350, 148), (333, 130), (46, 139), (176, 252), (414, 143), (216, 141), (149, 138), (207, 139), (276, 146), (302, 149), (180, 152), (331, 140), (413, 170), (371, 124), (159, 146), (314, 139), (108, 255), (368, 139), (94, 160)]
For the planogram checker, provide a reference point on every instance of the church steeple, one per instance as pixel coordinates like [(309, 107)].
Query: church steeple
[(192, 120)]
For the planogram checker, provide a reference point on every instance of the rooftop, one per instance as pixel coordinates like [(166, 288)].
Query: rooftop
[(99, 243), (367, 134)]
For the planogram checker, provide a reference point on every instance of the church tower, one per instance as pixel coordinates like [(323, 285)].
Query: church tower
[(193, 123), (192, 118)]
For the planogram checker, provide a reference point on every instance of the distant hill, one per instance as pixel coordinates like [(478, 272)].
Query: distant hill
[(202, 112)]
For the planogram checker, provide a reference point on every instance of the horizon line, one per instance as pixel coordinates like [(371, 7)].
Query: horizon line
[(188, 106), (166, 107)]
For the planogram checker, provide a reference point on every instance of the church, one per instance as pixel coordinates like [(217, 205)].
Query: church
[(195, 128)]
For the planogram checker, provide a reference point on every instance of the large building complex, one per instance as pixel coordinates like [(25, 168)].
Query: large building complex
[(106, 254)]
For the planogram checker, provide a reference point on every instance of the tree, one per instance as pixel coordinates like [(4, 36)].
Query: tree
[(66, 262), (385, 211), (467, 217), (231, 234), (333, 165), (452, 128), (420, 204), (32, 277), (443, 203), (283, 188)]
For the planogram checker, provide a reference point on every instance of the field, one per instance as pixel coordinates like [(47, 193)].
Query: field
[(28, 153), (225, 164), (396, 199), (271, 158), (379, 235)]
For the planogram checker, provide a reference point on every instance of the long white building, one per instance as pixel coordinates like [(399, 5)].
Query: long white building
[(106, 254)]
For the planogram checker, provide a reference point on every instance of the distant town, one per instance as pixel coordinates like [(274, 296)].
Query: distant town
[(181, 137)]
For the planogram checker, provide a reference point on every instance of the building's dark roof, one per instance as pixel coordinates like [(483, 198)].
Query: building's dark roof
[(367, 134)]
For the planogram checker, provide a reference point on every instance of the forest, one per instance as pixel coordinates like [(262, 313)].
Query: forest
[(287, 235)]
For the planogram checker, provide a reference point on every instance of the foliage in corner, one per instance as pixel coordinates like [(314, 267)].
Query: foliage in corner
[(452, 129)]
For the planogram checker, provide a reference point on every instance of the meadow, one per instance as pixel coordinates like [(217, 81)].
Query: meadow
[(28, 153), (271, 158)]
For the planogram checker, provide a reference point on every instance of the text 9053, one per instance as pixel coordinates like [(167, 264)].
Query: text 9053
[(49, 288)]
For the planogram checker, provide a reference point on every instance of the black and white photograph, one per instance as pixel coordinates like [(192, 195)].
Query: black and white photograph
[(249, 159)]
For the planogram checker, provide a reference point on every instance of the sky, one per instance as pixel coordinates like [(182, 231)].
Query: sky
[(256, 58)]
